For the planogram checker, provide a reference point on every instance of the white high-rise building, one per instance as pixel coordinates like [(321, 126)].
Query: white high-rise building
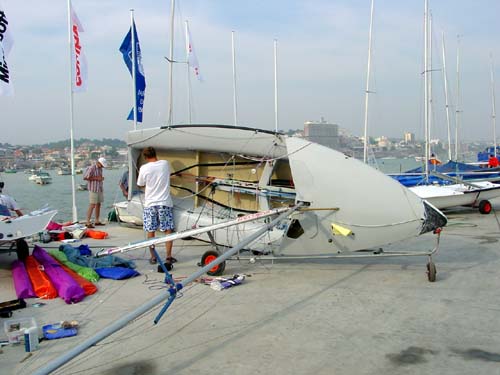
[(409, 137), (322, 132)]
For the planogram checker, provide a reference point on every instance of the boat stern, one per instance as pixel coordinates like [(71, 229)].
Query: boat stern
[(433, 218)]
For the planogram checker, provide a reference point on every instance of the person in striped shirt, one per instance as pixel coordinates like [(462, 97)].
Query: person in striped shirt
[(93, 176)]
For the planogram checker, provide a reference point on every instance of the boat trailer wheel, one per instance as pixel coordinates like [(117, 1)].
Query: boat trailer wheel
[(431, 271), (485, 207), (210, 256)]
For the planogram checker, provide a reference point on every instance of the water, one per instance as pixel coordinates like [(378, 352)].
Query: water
[(57, 195), (397, 165)]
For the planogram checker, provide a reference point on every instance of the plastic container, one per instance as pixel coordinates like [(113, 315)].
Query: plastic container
[(31, 339), (14, 328)]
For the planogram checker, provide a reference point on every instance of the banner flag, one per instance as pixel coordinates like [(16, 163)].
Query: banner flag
[(140, 80), (191, 55), (78, 59), (6, 43)]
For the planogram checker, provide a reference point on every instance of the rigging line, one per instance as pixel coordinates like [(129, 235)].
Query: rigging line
[(278, 157), (213, 201), (236, 138), (377, 225), (150, 137), (202, 209), (161, 340), (140, 322)]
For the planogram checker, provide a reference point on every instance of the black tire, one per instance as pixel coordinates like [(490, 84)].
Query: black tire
[(485, 207), (210, 256), (431, 272), (22, 249)]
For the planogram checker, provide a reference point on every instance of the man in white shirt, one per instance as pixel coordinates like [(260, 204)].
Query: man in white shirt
[(8, 203), (154, 176)]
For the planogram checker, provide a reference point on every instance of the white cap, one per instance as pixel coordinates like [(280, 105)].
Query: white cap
[(103, 162)]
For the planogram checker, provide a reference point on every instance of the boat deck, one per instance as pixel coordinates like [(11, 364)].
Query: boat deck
[(357, 316)]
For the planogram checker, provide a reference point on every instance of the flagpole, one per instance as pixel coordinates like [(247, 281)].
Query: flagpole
[(235, 103), (171, 64), (71, 117), (134, 92), (276, 85), (188, 77)]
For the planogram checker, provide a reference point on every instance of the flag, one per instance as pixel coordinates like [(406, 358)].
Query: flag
[(6, 43), (140, 80), (78, 60), (191, 55)]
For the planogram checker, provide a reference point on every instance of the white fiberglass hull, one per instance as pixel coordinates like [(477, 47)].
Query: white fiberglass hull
[(342, 212), (24, 226), (445, 196), (374, 215)]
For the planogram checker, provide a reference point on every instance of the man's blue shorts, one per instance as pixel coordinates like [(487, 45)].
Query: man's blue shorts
[(158, 217)]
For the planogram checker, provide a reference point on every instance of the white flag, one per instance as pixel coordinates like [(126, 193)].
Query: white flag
[(6, 43), (191, 55), (78, 60)]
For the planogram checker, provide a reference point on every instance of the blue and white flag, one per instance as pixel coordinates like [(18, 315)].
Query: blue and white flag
[(6, 42), (140, 80)]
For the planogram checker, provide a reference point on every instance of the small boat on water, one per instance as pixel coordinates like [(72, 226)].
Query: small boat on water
[(79, 171), (41, 177), (82, 187), (63, 171)]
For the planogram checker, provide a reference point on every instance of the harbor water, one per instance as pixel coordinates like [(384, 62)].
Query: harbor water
[(57, 195)]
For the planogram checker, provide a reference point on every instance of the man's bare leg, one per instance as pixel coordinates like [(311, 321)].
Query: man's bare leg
[(151, 248), (89, 212), (97, 212), (168, 245)]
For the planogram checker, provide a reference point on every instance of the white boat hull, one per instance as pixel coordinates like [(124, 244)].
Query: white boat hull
[(24, 226), (328, 182), (458, 194)]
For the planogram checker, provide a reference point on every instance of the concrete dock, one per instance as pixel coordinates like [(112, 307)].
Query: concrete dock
[(341, 316)]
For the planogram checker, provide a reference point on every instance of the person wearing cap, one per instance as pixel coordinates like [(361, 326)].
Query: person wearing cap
[(93, 176), (7, 203)]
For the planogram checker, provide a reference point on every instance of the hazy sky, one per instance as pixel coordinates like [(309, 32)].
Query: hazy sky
[(322, 60)]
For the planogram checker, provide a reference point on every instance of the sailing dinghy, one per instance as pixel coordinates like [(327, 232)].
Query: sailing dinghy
[(221, 173)]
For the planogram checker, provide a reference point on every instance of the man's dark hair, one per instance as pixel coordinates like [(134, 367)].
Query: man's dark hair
[(149, 152)]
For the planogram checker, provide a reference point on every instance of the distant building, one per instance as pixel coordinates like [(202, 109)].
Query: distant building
[(322, 132), (409, 138)]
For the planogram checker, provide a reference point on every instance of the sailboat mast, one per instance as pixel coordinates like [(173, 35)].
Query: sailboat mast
[(426, 89), (188, 75), (447, 106), (235, 102), (276, 85), (429, 124), (493, 106), (367, 90), (171, 64), (458, 109)]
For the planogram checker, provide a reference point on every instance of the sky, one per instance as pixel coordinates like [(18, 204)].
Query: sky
[(322, 49)]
